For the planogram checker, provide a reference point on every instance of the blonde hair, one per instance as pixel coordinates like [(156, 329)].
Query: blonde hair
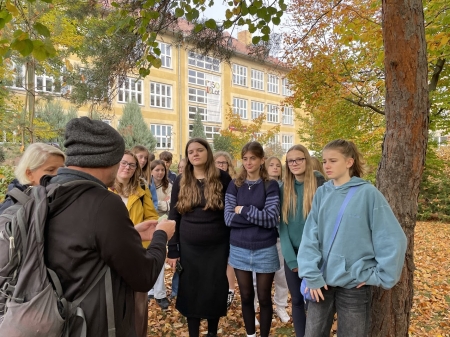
[(134, 182), (145, 171), (317, 166), (268, 160), (349, 150), (189, 195), (309, 186), (230, 170), (257, 149), (33, 158)]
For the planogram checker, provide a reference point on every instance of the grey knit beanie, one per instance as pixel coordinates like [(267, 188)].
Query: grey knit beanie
[(92, 143)]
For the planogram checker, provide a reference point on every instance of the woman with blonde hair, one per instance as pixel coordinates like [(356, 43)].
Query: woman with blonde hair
[(223, 161), (201, 240), (300, 185), (39, 159), (140, 208), (145, 158), (317, 166)]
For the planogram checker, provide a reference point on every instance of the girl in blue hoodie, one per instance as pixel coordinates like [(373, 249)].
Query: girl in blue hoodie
[(368, 249)]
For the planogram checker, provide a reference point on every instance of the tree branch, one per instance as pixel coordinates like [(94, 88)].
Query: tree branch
[(436, 73), (364, 105)]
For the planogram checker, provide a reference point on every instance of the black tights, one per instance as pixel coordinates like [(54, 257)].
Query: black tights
[(264, 289), (194, 326)]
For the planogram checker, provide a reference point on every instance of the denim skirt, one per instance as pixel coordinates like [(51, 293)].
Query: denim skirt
[(264, 260)]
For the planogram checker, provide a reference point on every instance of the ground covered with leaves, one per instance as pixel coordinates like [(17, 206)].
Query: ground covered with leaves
[(430, 315)]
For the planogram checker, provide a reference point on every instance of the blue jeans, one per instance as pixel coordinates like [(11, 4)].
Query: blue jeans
[(298, 303), (175, 280), (353, 312)]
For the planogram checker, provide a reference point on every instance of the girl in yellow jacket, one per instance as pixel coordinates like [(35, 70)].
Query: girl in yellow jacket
[(137, 198)]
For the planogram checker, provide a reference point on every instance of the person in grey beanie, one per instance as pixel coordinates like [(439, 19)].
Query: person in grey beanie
[(95, 231)]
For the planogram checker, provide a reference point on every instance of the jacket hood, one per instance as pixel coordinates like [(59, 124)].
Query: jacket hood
[(354, 181)]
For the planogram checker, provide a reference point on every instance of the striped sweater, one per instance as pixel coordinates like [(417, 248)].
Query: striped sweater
[(255, 227)]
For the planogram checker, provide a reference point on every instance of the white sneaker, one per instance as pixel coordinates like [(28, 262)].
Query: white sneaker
[(256, 322), (282, 314)]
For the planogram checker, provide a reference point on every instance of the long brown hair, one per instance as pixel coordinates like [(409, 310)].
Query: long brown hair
[(349, 150), (189, 195), (230, 167), (145, 171), (134, 182), (309, 186), (257, 149), (165, 180)]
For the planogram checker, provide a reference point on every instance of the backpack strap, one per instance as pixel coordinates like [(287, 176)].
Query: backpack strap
[(18, 195)]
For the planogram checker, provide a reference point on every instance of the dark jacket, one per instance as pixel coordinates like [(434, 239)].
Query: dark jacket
[(8, 200), (92, 231)]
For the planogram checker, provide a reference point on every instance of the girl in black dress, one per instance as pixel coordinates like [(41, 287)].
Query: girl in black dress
[(201, 240)]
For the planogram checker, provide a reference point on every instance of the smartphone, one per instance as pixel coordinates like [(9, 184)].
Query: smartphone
[(178, 267)]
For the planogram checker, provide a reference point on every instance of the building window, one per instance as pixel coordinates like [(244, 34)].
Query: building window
[(201, 111), (257, 109), (205, 62), (210, 131), (47, 84), (166, 54), (286, 91), (129, 90), (257, 79), (287, 141), (197, 95), (163, 135), (272, 113), (288, 114), (196, 77), (160, 95), (107, 121), (272, 84), (274, 140), (239, 75), (240, 107)]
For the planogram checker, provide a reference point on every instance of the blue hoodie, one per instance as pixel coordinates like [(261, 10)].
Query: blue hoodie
[(369, 246)]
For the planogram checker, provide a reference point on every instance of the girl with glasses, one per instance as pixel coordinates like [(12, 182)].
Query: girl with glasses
[(140, 207), (252, 209), (368, 248), (201, 240), (300, 185)]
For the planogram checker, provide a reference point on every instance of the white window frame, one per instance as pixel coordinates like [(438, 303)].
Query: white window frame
[(161, 95), (272, 83), (257, 79), (288, 115), (203, 112), (204, 62), (210, 131), (239, 75), (273, 113), (166, 54), (257, 108), (196, 77), (129, 90), (240, 107), (197, 95), (287, 141), (163, 135), (275, 139), (286, 91)]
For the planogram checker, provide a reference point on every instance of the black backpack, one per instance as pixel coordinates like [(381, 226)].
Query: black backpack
[(31, 296)]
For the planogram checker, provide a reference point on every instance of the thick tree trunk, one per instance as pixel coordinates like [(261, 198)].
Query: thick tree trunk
[(400, 171)]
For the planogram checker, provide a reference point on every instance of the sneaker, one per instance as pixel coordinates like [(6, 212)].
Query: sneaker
[(230, 299), (163, 303), (282, 314), (149, 297), (256, 322)]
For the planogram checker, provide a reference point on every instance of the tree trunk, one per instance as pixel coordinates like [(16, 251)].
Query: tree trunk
[(400, 170), (31, 95)]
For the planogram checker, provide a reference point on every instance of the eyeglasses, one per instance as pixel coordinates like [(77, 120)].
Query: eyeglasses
[(221, 163), (296, 161), (124, 163)]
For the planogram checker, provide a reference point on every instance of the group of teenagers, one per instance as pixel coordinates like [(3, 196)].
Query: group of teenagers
[(231, 225)]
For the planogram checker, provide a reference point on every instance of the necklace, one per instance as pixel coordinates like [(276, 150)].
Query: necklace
[(250, 186)]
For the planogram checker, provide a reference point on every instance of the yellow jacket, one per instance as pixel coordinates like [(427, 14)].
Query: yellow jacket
[(140, 208)]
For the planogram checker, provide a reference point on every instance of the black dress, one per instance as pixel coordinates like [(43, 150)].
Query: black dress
[(202, 241)]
